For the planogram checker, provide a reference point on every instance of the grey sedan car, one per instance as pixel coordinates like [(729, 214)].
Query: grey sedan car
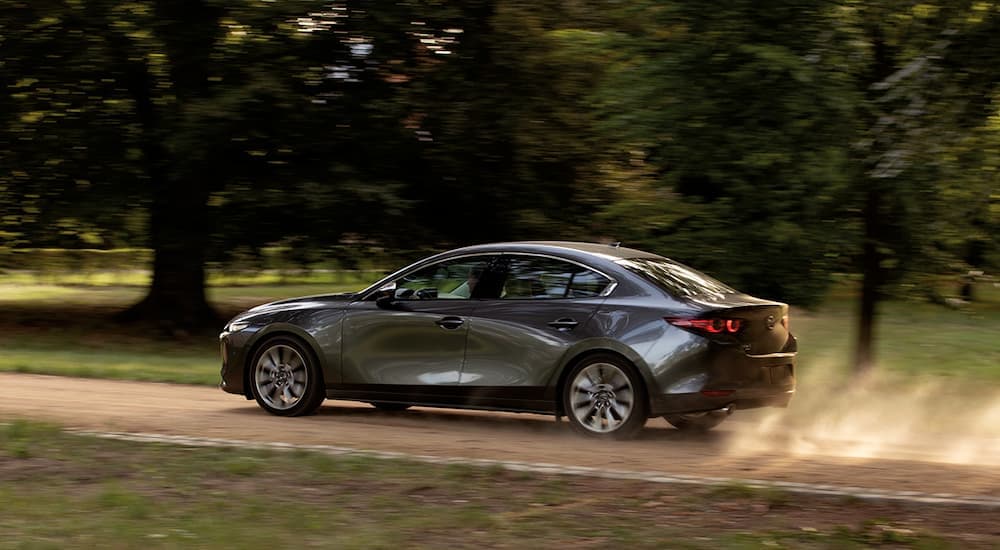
[(603, 335)]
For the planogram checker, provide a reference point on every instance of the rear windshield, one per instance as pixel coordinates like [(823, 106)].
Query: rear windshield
[(677, 279)]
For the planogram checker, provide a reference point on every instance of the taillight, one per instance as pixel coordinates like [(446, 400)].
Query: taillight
[(712, 326), (786, 323)]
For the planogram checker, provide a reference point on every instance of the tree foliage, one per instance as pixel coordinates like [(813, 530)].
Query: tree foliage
[(738, 124), (771, 143)]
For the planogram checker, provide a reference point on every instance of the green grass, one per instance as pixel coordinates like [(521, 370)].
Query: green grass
[(66, 330), (59, 329), (187, 366), (913, 339), (59, 490)]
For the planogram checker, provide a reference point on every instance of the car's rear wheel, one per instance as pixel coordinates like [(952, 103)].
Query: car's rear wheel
[(603, 397), (390, 407), (697, 422), (285, 379)]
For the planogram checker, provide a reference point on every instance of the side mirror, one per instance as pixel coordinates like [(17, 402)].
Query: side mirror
[(385, 296), (427, 294), (403, 294)]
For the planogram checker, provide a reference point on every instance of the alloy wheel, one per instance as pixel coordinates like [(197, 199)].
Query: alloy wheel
[(602, 397), (281, 376)]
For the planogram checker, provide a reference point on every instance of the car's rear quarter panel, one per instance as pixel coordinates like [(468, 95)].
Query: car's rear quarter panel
[(677, 364)]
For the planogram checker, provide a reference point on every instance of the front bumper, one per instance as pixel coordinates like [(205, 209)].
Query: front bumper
[(232, 347)]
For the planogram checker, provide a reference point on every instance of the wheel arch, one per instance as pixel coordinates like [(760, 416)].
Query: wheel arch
[(575, 357), (292, 332)]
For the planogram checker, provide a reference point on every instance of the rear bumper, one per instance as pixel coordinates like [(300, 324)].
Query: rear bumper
[(727, 376), (697, 402)]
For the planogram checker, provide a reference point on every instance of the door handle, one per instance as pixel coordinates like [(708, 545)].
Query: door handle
[(564, 324), (450, 322)]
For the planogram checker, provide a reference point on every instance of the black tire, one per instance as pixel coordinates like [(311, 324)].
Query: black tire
[(604, 397), (701, 422), (390, 407), (285, 378)]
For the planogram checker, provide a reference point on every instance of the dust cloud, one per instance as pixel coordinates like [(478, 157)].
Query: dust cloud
[(881, 416)]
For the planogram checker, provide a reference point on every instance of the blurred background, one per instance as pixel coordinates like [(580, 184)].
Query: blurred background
[(840, 153)]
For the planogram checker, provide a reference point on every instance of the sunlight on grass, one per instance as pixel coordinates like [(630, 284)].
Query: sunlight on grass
[(186, 366), (141, 278), (27, 294), (912, 338)]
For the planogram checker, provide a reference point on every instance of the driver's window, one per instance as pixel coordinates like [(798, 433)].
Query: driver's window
[(447, 280)]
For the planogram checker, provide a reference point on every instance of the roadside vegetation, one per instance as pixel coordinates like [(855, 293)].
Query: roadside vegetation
[(60, 490)]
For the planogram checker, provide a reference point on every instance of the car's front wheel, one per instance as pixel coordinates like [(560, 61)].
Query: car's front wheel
[(285, 379), (604, 398)]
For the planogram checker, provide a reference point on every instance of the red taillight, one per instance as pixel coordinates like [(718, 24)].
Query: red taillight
[(711, 326), (717, 393)]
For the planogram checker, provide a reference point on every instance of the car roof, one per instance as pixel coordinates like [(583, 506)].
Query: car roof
[(604, 251)]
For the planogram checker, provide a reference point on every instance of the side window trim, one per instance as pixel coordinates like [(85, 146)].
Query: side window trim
[(491, 267)]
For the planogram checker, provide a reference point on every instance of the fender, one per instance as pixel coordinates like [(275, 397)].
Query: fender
[(594, 345), (331, 373)]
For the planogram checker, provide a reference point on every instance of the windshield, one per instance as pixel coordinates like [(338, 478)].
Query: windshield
[(677, 279)]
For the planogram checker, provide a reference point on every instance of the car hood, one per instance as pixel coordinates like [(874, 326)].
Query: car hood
[(303, 302)]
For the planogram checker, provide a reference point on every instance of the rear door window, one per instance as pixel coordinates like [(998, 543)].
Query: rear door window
[(587, 284), (543, 278)]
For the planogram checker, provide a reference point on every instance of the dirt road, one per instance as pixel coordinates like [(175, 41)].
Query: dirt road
[(208, 412)]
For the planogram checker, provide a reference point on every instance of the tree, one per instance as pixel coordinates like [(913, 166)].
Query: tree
[(175, 108), (922, 89), (225, 125), (774, 144), (503, 139), (737, 126)]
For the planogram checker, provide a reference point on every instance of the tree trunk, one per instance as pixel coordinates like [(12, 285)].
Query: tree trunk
[(178, 226), (176, 299), (871, 283), (873, 276), (178, 213)]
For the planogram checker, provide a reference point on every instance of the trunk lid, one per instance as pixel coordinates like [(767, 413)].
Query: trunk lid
[(765, 328), (764, 323)]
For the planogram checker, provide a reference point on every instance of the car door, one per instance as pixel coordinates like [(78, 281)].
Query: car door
[(517, 340), (416, 342)]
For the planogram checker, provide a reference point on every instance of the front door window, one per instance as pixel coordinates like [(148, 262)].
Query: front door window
[(458, 279)]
